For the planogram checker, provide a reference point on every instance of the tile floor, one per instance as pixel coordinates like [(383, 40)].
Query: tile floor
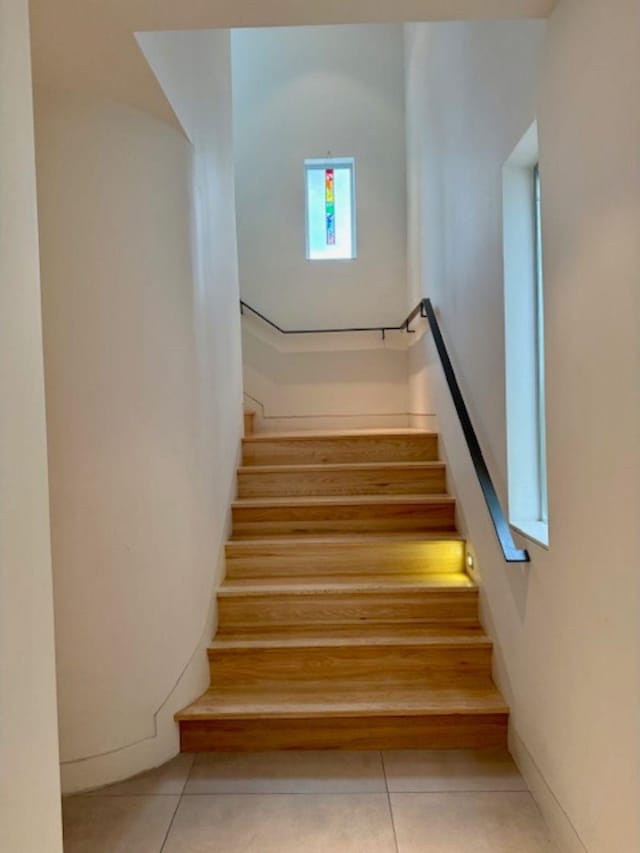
[(454, 801)]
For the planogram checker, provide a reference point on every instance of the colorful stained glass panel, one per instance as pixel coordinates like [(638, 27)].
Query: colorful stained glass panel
[(330, 210), (330, 207)]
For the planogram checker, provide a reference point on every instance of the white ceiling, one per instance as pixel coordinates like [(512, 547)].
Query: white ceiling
[(89, 44)]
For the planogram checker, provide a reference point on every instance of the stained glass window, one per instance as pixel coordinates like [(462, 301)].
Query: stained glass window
[(330, 202)]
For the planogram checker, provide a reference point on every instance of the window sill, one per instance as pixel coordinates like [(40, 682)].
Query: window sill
[(534, 531), (335, 260)]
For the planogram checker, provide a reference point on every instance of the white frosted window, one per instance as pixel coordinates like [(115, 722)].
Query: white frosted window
[(524, 341), (330, 204)]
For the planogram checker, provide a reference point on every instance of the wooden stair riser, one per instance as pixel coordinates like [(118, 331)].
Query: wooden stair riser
[(325, 518), (445, 731), (257, 482), (315, 450), (347, 608), (249, 420), (325, 559), (353, 664), (346, 620)]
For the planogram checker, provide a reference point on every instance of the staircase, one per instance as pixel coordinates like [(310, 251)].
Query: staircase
[(346, 619)]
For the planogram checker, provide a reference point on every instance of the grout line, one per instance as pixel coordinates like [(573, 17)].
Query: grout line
[(285, 793), (464, 791), (384, 771), (393, 823), (169, 828), (187, 778), (173, 816), (386, 784), (121, 796)]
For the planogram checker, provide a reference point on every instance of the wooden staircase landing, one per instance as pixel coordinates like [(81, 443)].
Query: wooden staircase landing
[(346, 619)]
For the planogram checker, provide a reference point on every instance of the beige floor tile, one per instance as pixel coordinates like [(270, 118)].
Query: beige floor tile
[(287, 773), (478, 822), (116, 824), (170, 778), (452, 770), (282, 823)]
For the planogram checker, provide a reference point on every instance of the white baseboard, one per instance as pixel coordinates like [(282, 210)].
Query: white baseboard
[(559, 823), (162, 742), (329, 422), (273, 422), (423, 421)]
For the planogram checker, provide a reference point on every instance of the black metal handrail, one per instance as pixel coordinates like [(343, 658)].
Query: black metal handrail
[(424, 309), (403, 327), (500, 523)]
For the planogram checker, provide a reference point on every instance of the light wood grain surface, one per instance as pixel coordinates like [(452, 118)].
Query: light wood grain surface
[(346, 619)]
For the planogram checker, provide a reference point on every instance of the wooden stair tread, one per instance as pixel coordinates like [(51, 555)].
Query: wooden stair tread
[(301, 586), (346, 583), (346, 619), (375, 537), (406, 582), (331, 640), (339, 466), (303, 435), (268, 633), (345, 700), (341, 500)]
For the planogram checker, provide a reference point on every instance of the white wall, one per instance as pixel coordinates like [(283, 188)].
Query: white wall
[(300, 93), (143, 384), (29, 774), (324, 381), (566, 626)]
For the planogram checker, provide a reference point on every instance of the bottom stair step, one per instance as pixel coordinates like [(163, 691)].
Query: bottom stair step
[(336, 717)]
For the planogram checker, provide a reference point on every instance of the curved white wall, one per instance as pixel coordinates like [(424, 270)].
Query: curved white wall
[(143, 385)]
